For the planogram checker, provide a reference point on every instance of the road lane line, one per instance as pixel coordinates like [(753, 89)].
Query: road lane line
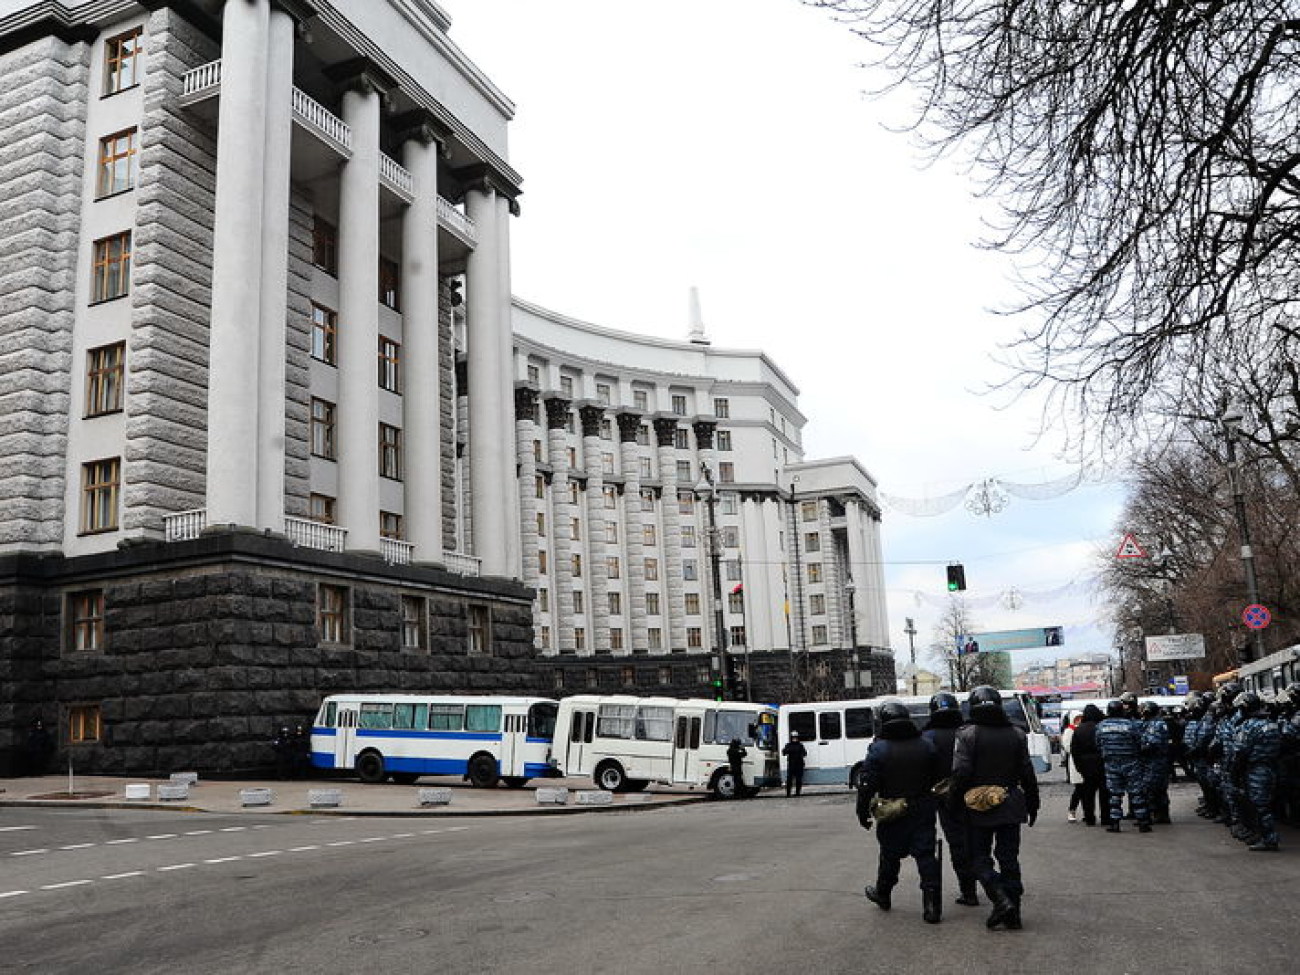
[(402, 836), (265, 853), (12, 893), (373, 839), (233, 829), (133, 839), (341, 843), (14, 829), (161, 836), (197, 832), (27, 853), (122, 876), (262, 826), (303, 849), (77, 846), (223, 859), (66, 883), (175, 866)]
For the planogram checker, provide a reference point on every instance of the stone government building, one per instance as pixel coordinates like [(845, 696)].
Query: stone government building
[(268, 413)]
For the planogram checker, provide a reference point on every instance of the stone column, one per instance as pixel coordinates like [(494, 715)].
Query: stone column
[(671, 571), (358, 338), (506, 352), (234, 341), (421, 393), (525, 433), (487, 360), (860, 568), (598, 574), (562, 508), (704, 446), (275, 272), (634, 532)]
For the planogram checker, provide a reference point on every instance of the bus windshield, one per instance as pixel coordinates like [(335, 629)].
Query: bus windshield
[(722, 726), (541, 721)]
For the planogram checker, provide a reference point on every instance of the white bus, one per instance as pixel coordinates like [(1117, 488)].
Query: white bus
[(837, 733), (624, 743), (403, 736)]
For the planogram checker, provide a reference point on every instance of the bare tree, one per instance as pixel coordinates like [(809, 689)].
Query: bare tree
[(963, 670), (1147, 156)]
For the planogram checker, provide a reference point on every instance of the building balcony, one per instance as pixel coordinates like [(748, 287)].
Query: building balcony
[(185, 525)]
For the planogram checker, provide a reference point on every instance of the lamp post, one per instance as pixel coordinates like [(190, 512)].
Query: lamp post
[(910, 630), (706, 490), (849, 590), (1231, 419)]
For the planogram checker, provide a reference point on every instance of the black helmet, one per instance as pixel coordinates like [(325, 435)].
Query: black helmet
[(1229, 691), (985, 697), (1115, 709), (1248, 702), (892, 711), (943, 701), (1149, 709), (1192, 700), (1128, 697)]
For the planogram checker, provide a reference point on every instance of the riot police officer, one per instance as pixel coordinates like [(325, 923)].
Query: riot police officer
[(1154, 758), (941, 732), (1120, 741), (1254, 768)]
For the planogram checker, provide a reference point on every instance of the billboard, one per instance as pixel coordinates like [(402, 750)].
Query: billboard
[(1175, 646), (1002, 640)]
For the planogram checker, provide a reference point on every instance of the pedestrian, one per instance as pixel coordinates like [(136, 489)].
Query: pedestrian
[(1258, 746), (1072, 776), (38, 748), (941, 732), (1086, 760), (993, 776), (1120, 740), (301, 752), (736, 753), (1156, 743), (796, 754), (282, 745), (896, 794)]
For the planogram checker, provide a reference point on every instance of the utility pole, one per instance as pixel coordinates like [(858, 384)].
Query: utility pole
[(1232, 416), (910, 630)]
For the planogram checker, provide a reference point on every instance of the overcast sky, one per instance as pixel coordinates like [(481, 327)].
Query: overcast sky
[(731, 145)]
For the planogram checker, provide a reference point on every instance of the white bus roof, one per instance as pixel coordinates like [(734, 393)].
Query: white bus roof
[(667, 702), (408, 698)]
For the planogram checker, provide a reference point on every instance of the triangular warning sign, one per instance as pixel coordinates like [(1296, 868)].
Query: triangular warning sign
[(1130, 549)]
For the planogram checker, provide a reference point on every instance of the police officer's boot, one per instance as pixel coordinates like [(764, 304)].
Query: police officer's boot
[(1003, 907), (932, 906), (879, 896), (968, 896)]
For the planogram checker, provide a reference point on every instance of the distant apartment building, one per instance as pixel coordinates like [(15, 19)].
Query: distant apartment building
[(646, 463), (238, 239), (1066, 672)]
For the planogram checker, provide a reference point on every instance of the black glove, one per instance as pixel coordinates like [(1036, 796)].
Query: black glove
[(1033, 817), (865, 821)]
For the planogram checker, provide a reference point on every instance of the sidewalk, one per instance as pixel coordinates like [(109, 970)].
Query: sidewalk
[(357, 799)]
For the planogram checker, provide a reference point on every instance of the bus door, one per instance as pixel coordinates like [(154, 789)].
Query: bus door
[(513, 730), (345, 737), (830, 740), (686, 747), (578, 750)]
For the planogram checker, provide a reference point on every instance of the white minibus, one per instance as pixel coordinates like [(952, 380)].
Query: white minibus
[(624, 743), (403, 736)]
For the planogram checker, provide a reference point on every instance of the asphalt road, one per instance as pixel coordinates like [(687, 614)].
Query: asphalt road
[(766, 885)]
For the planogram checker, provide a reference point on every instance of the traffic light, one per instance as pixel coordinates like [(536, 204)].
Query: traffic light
[(956, 577), (717, 689)]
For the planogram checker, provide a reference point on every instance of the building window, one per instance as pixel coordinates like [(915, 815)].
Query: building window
[(390, 525), (640, 399), (539, 486), (819, 635), (685, 502), (665, 675), (390, 452), (688, 536), (324, 334), (566, 387), (332, 613), (544, 641), (613, 567), (610, 496), (814, 572), (122, 61), (647, 471), (541, 562), (580, 638), (733, 570), (86, 620), (322, 509), (736, 602), (607, 463), (602, 393), (726, 472), (694, 637), (573, 492), (692, 604), (593, 678), (101, 482), (812, 542), (689, 571), (104, 370), (111, 272), (413, 623), (616, 640), (480, 631), (570, 425), (579, 601), (575, 530), (721, 408), (651, 569), (817, 604), (681, 439), (390, 284), (652, 604), (808, 510), (724, 439), (390, 365), (684, 471), (655, 638), (576, 566), (643, 436), (573, 460), (731, 537), (325, 245), (84, 724), (647, 501), (322, 429), (737, 636), (541, 524), (649, 536), (679, 404), (615, 604), (119, 163), (543, 600), (730, 503)]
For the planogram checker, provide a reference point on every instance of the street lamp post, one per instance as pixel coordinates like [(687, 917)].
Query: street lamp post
[(849, 590), (1231, 419), (706, 490), (910, 630)]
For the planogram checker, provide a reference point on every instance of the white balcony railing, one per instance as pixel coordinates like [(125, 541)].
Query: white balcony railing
[(314, 534), (455, 221), (185, 525), (319, 120), (201, 82), (396, 178), (462, 564), (396, 551)]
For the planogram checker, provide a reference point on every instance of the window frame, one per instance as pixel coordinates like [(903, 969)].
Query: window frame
[(325, 245), (390, 451), (105, 374), (109, 167), (390, 365), (324, 334), (110, 268), (323, 429), (333, 616), (101, 498), (85, 724), (85, 618), (122, 61)]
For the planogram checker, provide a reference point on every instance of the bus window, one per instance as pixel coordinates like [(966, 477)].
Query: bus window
[(857, 722), (541, 721), (829, 721), (376, 716), (575, 727), (722, 726), (682, 725), (331, 709), (804, 723), (446, 717), (616, 721), (403, 717), (695, 732), (654, 723), (482, 717)]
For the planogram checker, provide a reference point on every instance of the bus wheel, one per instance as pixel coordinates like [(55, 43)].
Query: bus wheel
[(370, 767), (724, 785), (515, 781), (610, 777), (636, 785), (483, 771)]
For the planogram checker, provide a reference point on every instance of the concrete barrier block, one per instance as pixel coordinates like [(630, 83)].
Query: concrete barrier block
[(593, 797), (434, 797), (324, 798), (173, 791), (256, 797), (552, 795), (185, 778), (138, 790)]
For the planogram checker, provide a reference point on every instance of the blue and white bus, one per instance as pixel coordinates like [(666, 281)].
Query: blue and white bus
[(483, 739)]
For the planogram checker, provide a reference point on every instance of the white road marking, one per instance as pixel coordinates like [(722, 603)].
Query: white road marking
[(373, 839), (197, 832), (262, 826), (161, 836), (76, 846), (222, 859), (133, 839), (303, 849), (265, 853), (14, 829), (27, 853), (402, 836), (233, 829), (11, 893), (341, 843), (66, 883), (175, 866), (122, 876)]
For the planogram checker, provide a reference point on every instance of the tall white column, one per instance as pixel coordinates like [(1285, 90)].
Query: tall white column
[(275, 272), (506, 340), (598, 584), (421, 396), (489, 483), (674, 601), (233, 343), (358, 338), (634, 532)]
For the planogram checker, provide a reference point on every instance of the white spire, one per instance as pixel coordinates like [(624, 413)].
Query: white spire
[(697, 335)]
